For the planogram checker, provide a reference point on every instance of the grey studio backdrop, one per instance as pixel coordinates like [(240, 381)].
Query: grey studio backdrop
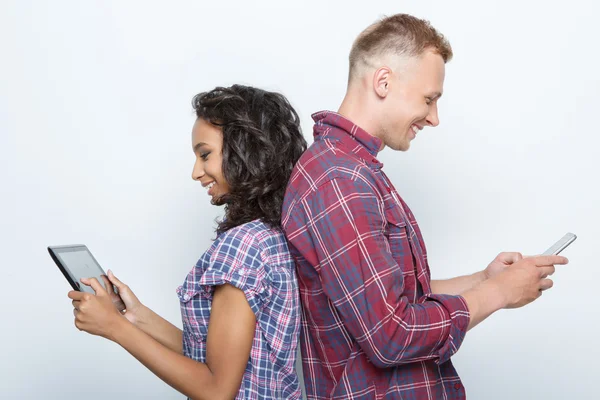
[(95, 122)]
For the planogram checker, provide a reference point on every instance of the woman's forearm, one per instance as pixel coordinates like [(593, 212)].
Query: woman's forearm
[(189, 377), (160, 329)]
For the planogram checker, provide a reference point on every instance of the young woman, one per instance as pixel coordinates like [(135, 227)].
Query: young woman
[(246, 142)]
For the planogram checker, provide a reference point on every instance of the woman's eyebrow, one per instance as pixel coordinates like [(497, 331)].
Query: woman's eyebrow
[(198, 145)]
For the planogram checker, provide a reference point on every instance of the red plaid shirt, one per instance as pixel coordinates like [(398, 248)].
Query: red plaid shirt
[(371, 328)]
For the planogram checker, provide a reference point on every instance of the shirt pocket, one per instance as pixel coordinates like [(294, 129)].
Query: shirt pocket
[(397, 234), (195, 304)]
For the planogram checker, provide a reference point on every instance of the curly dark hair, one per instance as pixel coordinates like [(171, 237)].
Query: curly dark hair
[(262, 141)]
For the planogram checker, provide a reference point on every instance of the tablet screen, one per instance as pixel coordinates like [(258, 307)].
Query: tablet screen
[(80, 264)]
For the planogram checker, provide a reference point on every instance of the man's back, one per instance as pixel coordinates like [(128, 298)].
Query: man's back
[(371, 328)]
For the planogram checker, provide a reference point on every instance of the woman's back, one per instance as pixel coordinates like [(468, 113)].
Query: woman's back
[(254, 258)]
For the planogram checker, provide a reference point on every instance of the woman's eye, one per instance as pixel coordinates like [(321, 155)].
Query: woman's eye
[(204, 156)]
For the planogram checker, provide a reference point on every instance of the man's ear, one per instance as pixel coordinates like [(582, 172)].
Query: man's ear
[(381, 81)]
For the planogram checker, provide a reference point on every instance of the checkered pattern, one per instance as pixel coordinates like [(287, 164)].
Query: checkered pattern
[(371, 328), (257, 260)]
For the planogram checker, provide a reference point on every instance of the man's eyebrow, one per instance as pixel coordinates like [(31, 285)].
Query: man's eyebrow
[(435, 95)]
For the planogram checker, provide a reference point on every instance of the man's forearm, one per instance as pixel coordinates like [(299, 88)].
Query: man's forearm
[(458, 285), (484, 300), (482, 295), (160, 329)]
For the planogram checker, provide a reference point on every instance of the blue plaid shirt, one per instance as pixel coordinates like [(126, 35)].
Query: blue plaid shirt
[(254, 258)]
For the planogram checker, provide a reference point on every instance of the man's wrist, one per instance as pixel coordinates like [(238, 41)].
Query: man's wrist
[(495, 294), (482, 276)]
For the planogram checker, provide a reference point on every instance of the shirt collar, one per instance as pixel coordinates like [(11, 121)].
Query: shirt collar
[(365, 145)]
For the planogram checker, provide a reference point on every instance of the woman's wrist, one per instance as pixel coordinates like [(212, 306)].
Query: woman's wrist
[(141, 315)]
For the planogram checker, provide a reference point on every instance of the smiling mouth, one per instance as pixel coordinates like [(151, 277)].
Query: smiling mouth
[(415, 129), (209, 188)]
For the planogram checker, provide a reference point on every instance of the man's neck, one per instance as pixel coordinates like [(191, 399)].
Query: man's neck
[(354, 108)]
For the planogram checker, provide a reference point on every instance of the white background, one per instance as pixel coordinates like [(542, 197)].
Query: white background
[(95, 122)]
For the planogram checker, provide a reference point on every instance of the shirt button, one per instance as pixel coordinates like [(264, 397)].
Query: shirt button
[(457, 386)]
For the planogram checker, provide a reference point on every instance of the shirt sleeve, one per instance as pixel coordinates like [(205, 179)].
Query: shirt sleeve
[(345, 225), (236, 260)]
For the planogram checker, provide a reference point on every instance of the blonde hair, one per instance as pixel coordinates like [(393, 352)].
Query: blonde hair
[(399, 35)]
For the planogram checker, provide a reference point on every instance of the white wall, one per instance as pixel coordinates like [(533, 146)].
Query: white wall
[(95, 123)]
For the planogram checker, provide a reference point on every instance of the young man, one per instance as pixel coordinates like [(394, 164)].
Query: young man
[(374, 325)]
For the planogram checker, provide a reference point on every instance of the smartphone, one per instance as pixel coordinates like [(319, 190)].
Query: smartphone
[(562, 244)]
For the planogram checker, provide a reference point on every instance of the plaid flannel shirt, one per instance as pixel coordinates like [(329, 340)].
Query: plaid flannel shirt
[(255, 259), (371, 328)]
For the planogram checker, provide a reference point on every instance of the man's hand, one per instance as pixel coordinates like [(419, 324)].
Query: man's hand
[(500, 263), (526, 279), (515, 286)]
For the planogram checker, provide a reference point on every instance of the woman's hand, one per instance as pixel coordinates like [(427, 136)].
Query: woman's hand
[(95, 314), (132, 305)]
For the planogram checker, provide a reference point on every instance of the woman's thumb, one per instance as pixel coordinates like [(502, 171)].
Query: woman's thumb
[(113, 279)]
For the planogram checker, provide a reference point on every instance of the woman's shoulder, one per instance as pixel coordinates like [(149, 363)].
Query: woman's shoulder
[(255, 245), (254, 233)]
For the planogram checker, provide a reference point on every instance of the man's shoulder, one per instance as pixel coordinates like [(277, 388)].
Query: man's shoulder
[(325, 161)]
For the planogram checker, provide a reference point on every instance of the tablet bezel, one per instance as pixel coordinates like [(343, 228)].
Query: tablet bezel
[(54, 250)]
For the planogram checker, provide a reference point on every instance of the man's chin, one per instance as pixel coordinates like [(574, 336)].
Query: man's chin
[(401, 147), (398, 146)]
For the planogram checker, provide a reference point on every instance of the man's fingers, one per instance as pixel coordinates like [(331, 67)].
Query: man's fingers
[(541, 261), (546, 284), (546, 271), (511, 257)]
